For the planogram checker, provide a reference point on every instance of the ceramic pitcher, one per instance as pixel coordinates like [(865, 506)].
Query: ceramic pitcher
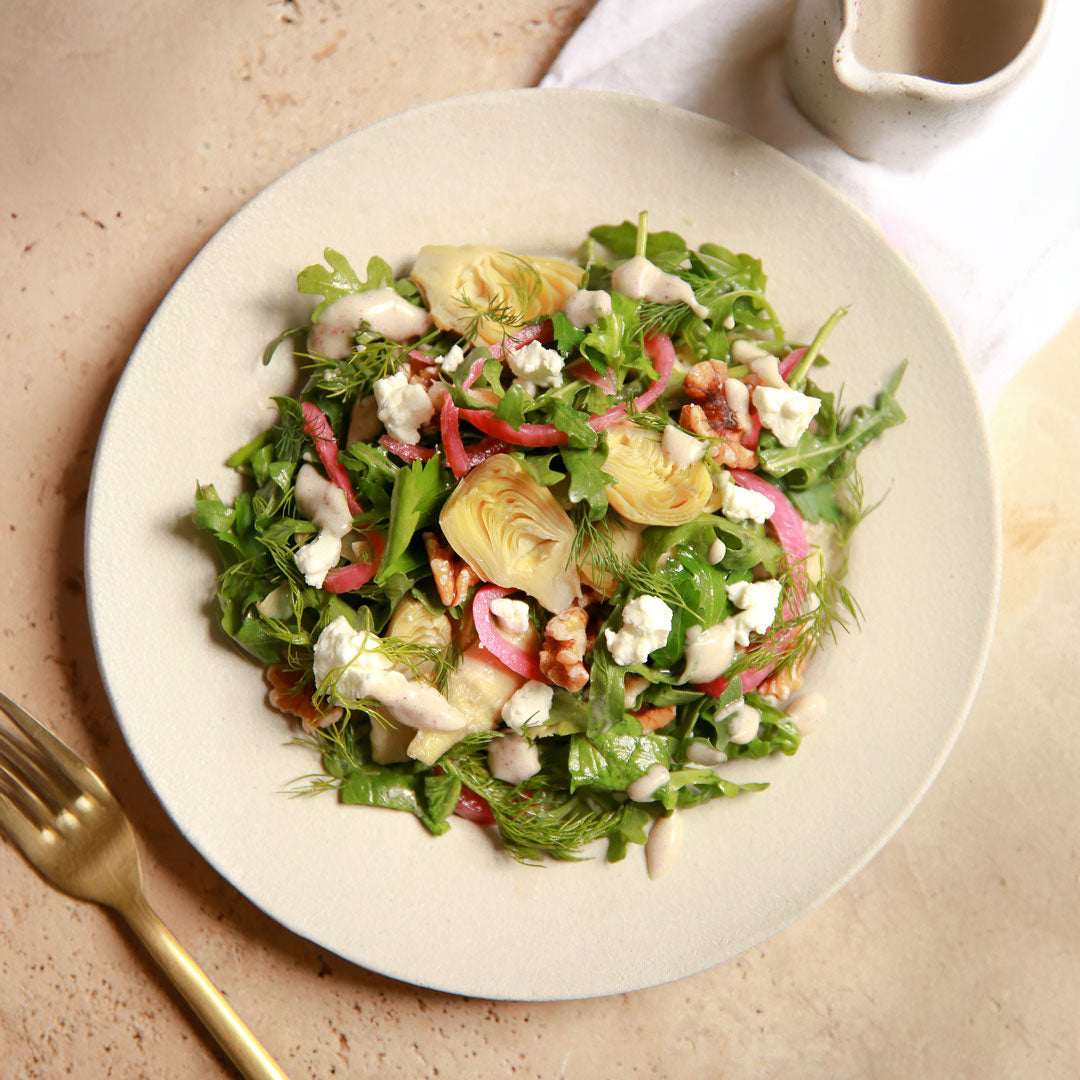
[(894, 80)]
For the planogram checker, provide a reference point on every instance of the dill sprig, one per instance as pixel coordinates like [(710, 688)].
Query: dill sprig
[(506, 308), (354, 375), (544, 819)]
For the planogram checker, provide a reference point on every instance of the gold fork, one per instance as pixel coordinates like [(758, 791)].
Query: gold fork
[(66, 822)]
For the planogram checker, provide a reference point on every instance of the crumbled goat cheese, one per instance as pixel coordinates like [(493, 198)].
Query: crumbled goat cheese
[(536, 366), (529, 707), (785, 412), (681, 448), (740, 504), (513, 615), (646, 625), (403, 407), (512, 759), (453, 359), (757, 601), (318, 557), (350, 665)]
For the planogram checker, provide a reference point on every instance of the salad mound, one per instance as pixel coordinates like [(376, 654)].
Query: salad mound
[(544, 544)]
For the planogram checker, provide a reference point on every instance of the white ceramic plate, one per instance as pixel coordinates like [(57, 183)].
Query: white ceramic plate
[(532, 171)]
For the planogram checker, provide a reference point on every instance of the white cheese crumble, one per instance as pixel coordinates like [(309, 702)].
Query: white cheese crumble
[(587, 306), (646, 625), (741, 504), (351, 665), (513, 615), (318, 557), (785, 412), (403, 407), (681, 448), (512, 759), (645, 787), (757, 601), (454, 358), (536, 367), (529, 707)]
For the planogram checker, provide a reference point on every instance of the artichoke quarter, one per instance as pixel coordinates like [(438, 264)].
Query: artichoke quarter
[(513, 532), (479, 291), (649, 488)]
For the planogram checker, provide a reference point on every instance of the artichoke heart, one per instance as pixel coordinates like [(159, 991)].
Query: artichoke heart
[(649, 488), (513, 532), (481, 292)]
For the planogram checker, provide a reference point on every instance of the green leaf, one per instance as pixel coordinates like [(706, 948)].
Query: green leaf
[(588, 481), (338, 279), (621, 240), (419, 491), (815, 455), (615, 758), (575, 424)]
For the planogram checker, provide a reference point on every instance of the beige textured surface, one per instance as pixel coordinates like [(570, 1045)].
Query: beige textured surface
[(128, 138)]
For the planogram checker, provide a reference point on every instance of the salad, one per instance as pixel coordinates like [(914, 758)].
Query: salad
[(544, 544)]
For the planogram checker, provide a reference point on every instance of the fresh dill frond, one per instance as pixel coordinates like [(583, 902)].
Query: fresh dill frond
[(542, 820), (354, 375)]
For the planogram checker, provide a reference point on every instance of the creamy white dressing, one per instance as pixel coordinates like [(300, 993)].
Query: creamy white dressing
[(642, 280), (512, 759), (681, 448), (386, 311), (587, 306), (717, 551), (743, 724), (746, 352), (322, 502), (738, 399), (709, 653), (276, 604), (644, 787), (364, 423), (663, 844), (354, 667), (767, 369), (807, 710), (701, 753)]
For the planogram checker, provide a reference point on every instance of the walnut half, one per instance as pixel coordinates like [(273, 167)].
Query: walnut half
[(563, 650)]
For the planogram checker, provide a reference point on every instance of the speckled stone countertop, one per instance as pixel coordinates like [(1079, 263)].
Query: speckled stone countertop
[(130, 132)]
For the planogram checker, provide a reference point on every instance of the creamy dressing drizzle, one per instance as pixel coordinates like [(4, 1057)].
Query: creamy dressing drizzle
[(386, 311), (642, 280)]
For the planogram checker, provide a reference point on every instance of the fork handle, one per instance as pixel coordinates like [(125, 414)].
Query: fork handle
[(233, 1035)]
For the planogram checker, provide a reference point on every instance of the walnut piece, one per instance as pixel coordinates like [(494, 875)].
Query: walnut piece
[(784, 683), (564, 649), (290, 693), (453, 576), (655, 716), (710, 414)]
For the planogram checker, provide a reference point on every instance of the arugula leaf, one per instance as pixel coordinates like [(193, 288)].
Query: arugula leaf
[(575, 424), (588, 481), (341, 279), (832, 452), (419, 491), (615, 758), (663, 248)]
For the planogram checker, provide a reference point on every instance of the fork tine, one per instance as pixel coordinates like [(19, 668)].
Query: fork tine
[(67, 761), (36, 771), (22, 815), (26, 783)]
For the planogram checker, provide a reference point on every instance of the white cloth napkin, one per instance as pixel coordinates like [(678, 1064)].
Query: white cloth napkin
[(991, 225)]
